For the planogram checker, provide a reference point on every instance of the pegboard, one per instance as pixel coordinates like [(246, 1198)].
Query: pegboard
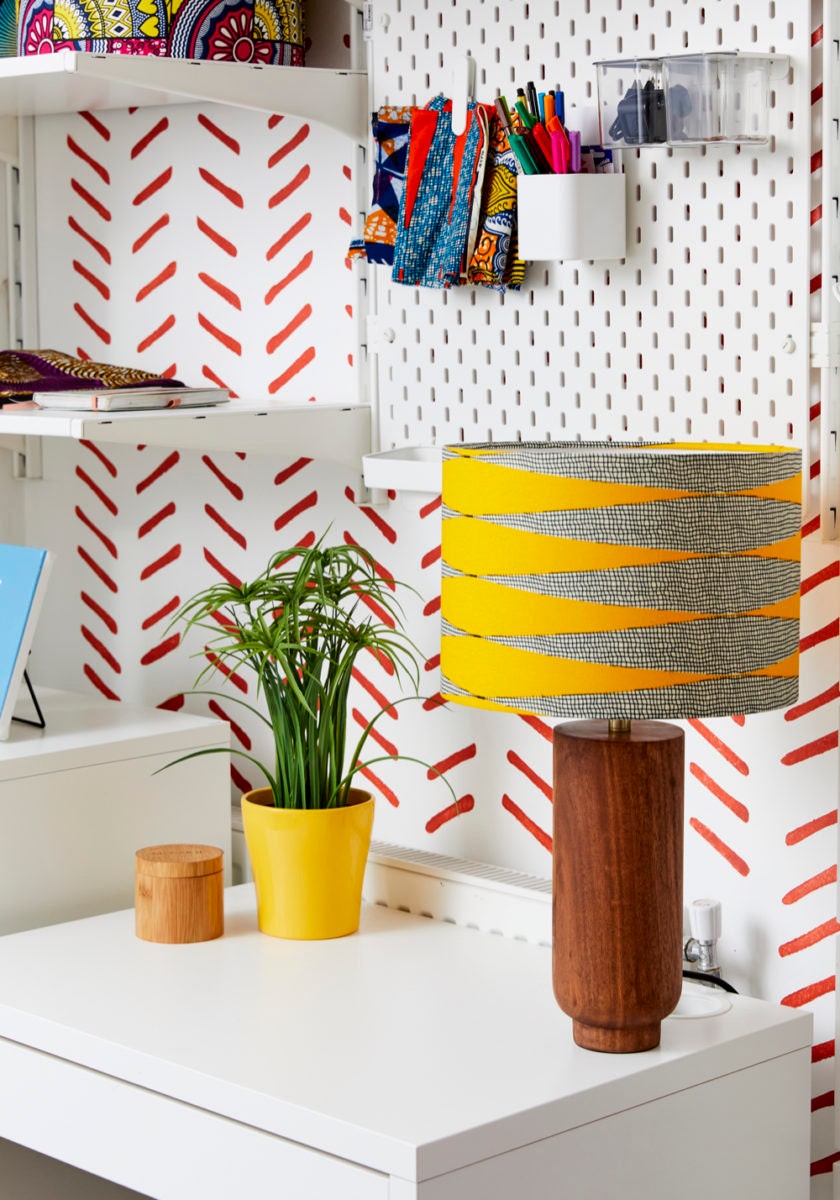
[(702, 331)]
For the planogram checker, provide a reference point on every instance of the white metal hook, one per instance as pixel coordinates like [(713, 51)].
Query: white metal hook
[(835, 289), (462, 92)]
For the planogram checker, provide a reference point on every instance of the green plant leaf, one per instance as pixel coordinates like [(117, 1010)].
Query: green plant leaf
[(299, 627)]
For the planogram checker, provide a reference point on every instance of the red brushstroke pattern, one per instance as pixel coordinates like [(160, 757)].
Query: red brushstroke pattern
[(459, 808), (820, 880), (388, 793), (735, 806), (717, 843), (527, 824), (533, 776), (452, 760), (811, 827), (105, 617), (718, 744), (805, 940)]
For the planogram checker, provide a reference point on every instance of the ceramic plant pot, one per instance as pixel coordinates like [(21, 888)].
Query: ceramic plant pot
[(308, 864)]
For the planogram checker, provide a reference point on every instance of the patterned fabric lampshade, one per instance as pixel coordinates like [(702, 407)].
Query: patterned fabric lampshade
[(615, 580), (629, 585)]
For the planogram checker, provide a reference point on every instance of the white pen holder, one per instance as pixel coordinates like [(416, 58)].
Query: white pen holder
[(571, 216)]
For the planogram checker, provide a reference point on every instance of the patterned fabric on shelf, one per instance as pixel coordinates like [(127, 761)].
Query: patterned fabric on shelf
[(8, 28), (23, 372), (258, 31)]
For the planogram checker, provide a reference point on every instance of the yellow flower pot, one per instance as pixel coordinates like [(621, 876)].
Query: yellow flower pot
[(308, 864)]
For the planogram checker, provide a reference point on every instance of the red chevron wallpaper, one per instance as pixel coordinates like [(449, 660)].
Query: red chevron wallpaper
[(209, 244)]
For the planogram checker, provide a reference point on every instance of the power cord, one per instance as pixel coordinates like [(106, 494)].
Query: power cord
[(705, 977)]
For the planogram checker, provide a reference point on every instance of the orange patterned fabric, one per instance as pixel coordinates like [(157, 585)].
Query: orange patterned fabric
[(494, 260)]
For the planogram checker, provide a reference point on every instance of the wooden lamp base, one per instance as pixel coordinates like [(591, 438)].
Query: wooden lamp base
[(618, 857)]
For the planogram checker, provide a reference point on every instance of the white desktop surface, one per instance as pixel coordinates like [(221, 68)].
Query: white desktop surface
[(86, 729), (413, 1047)]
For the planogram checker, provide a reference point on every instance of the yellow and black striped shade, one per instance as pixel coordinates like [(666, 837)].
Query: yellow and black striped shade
[(610, 580)]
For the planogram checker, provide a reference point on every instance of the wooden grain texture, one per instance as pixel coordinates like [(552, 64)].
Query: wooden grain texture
[(178, 894), (179, 860), (618, 852)]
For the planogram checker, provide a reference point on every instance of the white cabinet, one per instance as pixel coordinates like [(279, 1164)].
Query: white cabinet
[(78, 798), (415, 1060)]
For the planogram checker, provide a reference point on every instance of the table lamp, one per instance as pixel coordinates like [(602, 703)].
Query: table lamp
[(628, 585)]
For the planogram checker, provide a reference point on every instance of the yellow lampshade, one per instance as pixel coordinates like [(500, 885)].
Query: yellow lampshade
[(616, 580)]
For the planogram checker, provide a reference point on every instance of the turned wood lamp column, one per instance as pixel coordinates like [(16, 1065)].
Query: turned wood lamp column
[(623, 586), (617, 879)]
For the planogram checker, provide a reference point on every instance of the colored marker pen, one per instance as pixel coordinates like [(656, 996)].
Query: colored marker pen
[(574, 152), (533, 100), (560, 106)]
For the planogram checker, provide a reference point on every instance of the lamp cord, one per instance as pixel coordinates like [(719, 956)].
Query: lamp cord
[(704, 977)]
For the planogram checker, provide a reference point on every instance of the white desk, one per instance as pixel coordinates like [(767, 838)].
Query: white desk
[(414, 1059)]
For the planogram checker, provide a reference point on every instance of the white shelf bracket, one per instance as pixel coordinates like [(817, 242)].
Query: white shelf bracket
[(28, 463)]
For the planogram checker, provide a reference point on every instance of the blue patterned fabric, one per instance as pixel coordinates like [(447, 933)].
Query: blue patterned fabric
[(390, 128), (434, 219)]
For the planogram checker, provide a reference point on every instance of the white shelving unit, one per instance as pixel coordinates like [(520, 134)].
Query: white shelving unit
[(73, 82), (328, 432)]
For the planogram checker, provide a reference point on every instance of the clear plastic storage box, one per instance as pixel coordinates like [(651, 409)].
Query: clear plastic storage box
[(631, 102), (686, 99), (717, 98)]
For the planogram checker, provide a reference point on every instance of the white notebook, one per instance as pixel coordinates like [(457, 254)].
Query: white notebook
[(122, 399)]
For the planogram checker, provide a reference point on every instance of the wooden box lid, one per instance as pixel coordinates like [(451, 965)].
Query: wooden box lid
[(179, 861)]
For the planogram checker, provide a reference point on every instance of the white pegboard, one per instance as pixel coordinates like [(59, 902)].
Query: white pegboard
[(702, 331)]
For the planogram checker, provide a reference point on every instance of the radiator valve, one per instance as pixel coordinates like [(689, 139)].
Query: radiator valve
[(704, 920)]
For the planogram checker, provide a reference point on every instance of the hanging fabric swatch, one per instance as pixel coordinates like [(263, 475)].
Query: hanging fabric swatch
[(494, 261), (442, 174), (390, 127)]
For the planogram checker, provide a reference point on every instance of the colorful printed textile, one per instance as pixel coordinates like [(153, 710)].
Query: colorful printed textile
[(442, 174), (259, 31), (390, 127), (23, 372), (8, 28), (494, 262)]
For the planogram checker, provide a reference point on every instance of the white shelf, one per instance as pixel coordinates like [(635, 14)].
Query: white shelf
[(322, 431), (406, 469), (83, 730), (71, 81)]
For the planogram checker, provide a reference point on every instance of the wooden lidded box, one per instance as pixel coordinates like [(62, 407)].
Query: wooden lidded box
[(178, 893)]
